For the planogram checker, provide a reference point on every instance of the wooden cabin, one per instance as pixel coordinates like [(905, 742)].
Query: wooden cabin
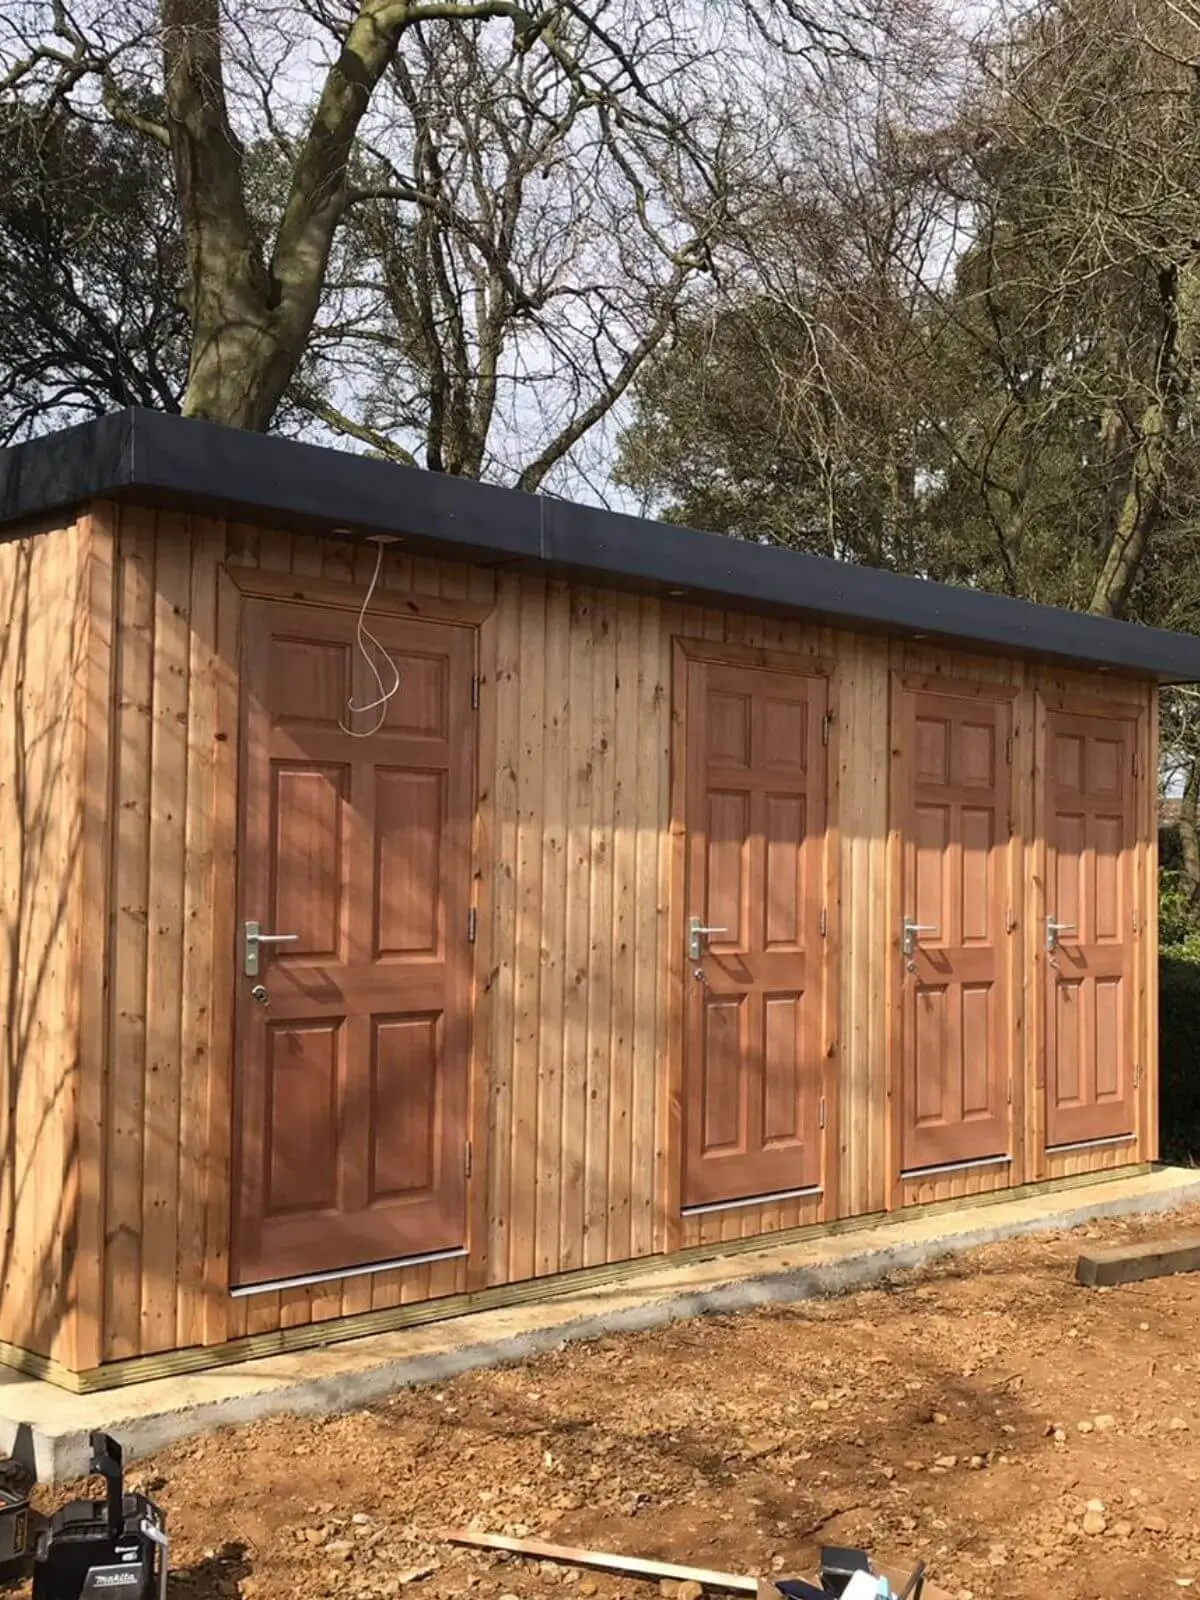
[(687, 892)]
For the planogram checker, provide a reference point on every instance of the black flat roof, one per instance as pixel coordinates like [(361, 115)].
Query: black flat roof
[(154, 458)]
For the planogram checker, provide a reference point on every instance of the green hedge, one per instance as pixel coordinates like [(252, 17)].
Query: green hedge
[(1179, 1050)]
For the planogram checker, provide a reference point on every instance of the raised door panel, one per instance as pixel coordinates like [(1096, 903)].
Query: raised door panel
[(952, 794), (754, 1067), (1090, 944), (352, 1076)]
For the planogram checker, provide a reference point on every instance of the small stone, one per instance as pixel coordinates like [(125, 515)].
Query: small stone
[(940, 1418), (517, 1597), (977, 1463), (1144, 1326), (998, 1555), (946, 1461), (1007, 1427), (1122, 1530), (587, 1587), (312, 1535), (1060, 1436), (414, 1575), (689, 1591), (668, 1588), (1095, 1505), (1178, 1425), (1104, 1422), (1085, 1426), (361, 1519), (819, 1405), (1154, 1523), (1093, 1522), (914, 1466)]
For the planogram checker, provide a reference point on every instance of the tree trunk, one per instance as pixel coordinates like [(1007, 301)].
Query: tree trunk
[(251, 318), (1189, 830), (1136, 519), (1141, 503)]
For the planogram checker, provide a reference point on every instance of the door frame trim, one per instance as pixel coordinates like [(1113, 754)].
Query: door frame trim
[(684, 651), (994, 692), (237, 586)]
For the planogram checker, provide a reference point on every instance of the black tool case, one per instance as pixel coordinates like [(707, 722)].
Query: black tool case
[(14, 1533), (115, 1546)]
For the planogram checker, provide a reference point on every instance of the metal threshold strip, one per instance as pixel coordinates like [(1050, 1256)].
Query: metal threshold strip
[(308, 1278), (955, 1166), (1090, 1144), (753, 1200)]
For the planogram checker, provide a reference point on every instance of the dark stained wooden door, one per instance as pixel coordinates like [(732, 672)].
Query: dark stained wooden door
[(1090, 835), (352, 1079), (755, 812), (952, 795)]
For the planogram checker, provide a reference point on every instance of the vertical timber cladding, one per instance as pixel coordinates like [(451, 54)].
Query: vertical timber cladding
[(1090, 922), (353, 1036), (755, 923), (572, 833), (955, 1049)]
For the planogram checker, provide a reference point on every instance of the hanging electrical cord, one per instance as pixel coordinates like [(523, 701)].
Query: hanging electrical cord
[(365, 637)]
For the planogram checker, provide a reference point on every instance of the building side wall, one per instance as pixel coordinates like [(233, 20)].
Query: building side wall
[(43, 654), (575, 1087)]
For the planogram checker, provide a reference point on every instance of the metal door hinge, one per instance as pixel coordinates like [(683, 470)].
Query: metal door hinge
[(1137, 765), (1137, 1073), (1008, 750), (472, 925), (469, 1159), (1010, 920), (825, 722), (822, 1119), (475, 694), (824, 922)]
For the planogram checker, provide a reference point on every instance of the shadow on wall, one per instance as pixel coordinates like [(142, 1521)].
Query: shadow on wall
[(40, 840)]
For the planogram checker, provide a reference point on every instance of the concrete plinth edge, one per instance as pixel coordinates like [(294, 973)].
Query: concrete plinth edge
[(48, 1429)]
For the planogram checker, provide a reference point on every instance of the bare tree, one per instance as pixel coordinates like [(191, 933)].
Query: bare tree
[(506, 269), (203, 83), (91, 271)]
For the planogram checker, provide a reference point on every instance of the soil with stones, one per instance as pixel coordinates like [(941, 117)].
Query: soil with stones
[(1028, 1438)]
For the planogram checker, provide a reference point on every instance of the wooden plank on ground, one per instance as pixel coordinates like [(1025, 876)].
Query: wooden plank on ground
[(604, 1561), (1130, 1263)]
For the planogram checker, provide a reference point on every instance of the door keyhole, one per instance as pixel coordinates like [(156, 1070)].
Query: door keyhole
[(259, 993)]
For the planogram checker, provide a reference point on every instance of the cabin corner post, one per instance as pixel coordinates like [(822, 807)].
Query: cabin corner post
[(83, 1230), (44, 645)]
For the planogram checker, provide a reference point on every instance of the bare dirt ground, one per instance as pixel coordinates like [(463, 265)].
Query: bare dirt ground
[(1029, 1438)]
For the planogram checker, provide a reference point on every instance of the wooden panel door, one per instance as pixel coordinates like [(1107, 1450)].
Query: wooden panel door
[(1089, 821), (352, 1077), (755, 817), (952, 804)]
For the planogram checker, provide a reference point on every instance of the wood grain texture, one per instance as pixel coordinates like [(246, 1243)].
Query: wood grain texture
[(121, 1074), (43, 770)]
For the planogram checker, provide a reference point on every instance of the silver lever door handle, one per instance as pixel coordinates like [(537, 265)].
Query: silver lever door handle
[(252, 938), (696, 933), (1053, 929), (912, 930)]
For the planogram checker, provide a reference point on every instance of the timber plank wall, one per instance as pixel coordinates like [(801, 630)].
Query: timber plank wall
[(118, 1074)]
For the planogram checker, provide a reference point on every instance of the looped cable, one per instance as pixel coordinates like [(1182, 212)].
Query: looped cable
[(364, 636)]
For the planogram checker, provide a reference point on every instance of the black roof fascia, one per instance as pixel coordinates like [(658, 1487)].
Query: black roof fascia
[(157, 457)]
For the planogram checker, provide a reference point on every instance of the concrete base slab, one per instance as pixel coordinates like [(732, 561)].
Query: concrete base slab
[(47, 1428)]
